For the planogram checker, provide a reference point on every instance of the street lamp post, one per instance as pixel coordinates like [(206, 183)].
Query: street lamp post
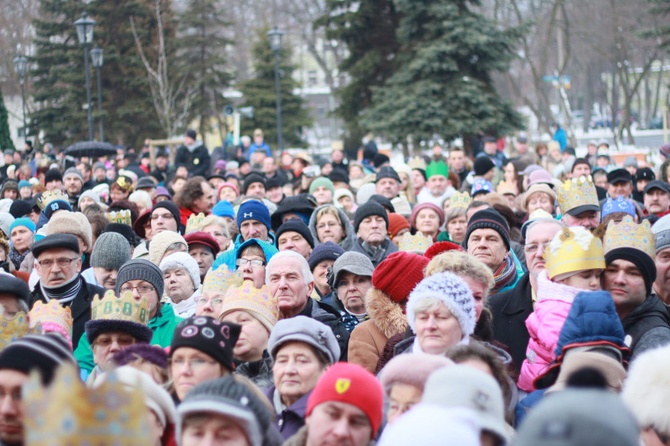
[(20, 65), (97, 60), (84, 28), (275, 37)]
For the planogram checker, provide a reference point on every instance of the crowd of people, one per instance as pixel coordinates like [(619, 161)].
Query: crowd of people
[(519, 297)]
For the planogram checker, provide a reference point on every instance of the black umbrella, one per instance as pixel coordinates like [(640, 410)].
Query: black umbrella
[(91, 149)]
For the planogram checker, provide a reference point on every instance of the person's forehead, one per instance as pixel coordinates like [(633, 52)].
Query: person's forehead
[(251, 222), (623, 264), (285, 265), (542, 230), (290, 234), (347, 408), (163, 212), (198, 247), (55, 252), (136, 282)]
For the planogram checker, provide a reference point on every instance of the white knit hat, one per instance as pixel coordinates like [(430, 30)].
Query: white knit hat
[(453, 292), (182, 260)]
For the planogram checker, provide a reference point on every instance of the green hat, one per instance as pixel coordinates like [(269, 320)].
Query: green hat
[(437, 168), (322, 181)]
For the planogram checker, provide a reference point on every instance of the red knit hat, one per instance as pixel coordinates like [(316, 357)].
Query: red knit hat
[(440, 247), (406, 266), (352, 384), (396, 224)]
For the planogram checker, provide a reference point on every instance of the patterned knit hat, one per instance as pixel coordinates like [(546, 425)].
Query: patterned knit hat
[(450, 290), (42, 352), (488, 219), (210, 336), (74, 223), (140, 269), (407, 265), (111, 251), (368, 209), (258, 302)]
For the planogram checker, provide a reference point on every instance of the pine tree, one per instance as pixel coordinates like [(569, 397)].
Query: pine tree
[(442, 84), (259, 93), (201, 61), (5, 135)]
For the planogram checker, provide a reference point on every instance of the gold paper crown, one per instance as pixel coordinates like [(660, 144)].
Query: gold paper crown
[(122, 308), (50, 196), (122, 217), (51, 317), (629, 234), (124, 183), (417, 163), (417, 243), (68, 413), (571, 255), (219, 280), (577, 192), (194, 222), (248, 297), (12, 327), (460, 200)]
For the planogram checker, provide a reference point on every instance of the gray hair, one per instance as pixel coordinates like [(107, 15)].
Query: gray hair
[(277, 258)]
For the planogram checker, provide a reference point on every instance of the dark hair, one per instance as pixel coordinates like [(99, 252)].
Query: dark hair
[(192, 191), (98, 222), (478, 204), (664, 170), (125, 205)]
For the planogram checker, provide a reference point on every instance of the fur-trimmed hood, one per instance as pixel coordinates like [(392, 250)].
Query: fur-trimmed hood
[(384, 313), (349, 233)]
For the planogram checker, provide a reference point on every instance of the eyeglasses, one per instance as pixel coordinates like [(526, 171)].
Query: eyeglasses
[(330, 224), (63, 262), (193, 363), (105, 341), (532, 248), (14, 395), (142, 289), (254, 262), (203, 301)]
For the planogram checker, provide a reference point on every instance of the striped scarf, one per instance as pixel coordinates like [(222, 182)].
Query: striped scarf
[(504, 275)]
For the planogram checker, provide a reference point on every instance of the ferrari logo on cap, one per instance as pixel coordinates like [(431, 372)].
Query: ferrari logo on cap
[(342, 385)]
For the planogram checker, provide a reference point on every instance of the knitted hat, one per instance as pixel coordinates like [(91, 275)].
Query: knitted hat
[(539, 187), (56, 205), (324, 251), (352, 384), (140, 269), (24, 183), (6, 220), (396, 224), (252, 178), (407, 265), (124, 230), (275, 181), (232, 399), (481, 186), (210, 336), (482, 165), (661, 230), (296, 225), (163, 192), (182, 260), (385, 202), (253, 210), (387, 172), (258, 302), (230, 185), (307, 330), (450, 290), (339, 176), (90, 194), (23, 221), (74, 223), (42, 352), (174, 210), (124, 314), (204, 239), (411, 368), (20, 208), (351, 262), (419, 207), (160, 243), (620, 204), (369, 209), (73, 172), (153, 354), (430, 424), (111, 250), (488, 219), (322, 181), (223, 209), (53, 175), (55, 241), (442, 247)]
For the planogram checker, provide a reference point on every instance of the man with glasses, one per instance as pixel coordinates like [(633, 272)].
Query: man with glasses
[(58, 265)]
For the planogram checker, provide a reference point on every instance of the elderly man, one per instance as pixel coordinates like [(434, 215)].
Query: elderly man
[(487, 238), (291, 283), (437, 187), (204, 249), (511, 308), (197, 196), (387, 182), (294, 235), (58, 264), (371, 226), (629, 276), (657, 198), (578, 201), (74, 182)]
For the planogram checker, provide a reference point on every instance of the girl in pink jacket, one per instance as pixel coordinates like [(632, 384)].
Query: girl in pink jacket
[(574, 262)]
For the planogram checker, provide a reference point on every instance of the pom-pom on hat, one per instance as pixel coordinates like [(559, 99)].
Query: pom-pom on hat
[(407, 265)]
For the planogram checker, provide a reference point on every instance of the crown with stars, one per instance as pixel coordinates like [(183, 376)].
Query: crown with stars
[(417, 243), (460, 200), (217, 281), (628, 234), (194, 222), (50, 196), (577, 192), (51, 317), (573, 255), (12, 327)]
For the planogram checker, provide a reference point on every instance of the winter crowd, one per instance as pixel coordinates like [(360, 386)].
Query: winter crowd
[(233, 297)]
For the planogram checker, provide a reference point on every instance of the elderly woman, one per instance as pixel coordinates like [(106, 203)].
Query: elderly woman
[(539, 196), (214, 288), (330, 224), (165, 243), (217, 227), (182, 282), (256, 311), (427, 219), (21, 233), (253, 256), (301, 348), (351, 280), (456, 224), (201, 350)]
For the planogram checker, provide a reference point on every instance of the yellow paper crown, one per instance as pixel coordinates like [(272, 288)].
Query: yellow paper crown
[(249, 298), (460, 200), (12, 327), (571, 255), (68, 413), (122, 308), (417, 243), (417, 163), (124, 183), (51, 317), (629, 234), (50, 196), (577, 192), (194, 222), (122, 217), (219, 280)]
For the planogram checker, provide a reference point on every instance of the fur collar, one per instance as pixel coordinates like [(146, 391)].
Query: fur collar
[(384, 313)]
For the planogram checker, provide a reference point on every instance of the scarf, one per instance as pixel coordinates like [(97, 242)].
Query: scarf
[(17, 258), (65, 293), (504, 275), (186, 308)]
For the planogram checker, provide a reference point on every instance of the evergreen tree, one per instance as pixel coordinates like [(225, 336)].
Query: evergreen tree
[(259, 93), (202, 62), (5, 135), (442, 84)]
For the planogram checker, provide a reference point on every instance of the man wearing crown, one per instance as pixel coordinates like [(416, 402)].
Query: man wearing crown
[(578, 202), (438, 187)]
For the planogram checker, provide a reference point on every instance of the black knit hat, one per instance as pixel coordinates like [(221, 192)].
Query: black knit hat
[(53, 175), (638, 258), (275, 181), (488, 219), (385, 202), (368, 209), (96, 327), (174, 210), (296, 225), (324, 251), (208, 335), (19, 208), (387, 172), (339, 176), (482, 165), (140, 269), (252, 178), (44, 352)]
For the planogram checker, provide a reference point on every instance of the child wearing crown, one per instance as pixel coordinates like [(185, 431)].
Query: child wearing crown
[(574, 261)]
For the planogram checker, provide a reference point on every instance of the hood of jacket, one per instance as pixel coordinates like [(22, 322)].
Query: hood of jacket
[(349, 235), (387, 315)]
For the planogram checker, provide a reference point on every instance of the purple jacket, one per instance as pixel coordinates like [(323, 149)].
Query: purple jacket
[(291, 419)]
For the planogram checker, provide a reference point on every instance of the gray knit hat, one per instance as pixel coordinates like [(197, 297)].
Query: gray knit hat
[(73, 171), (351, 262), (140, 269), (661, 230), (111, 251), (307, 330)]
